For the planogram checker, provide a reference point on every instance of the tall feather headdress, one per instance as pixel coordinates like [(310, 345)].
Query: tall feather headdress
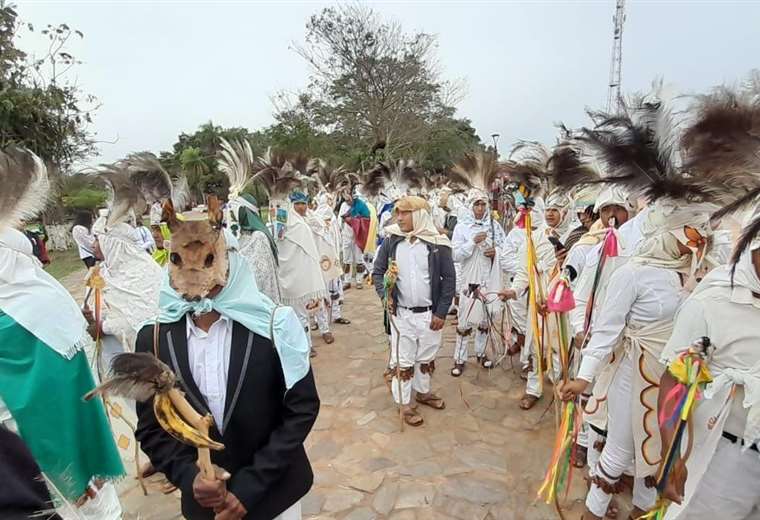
[(133, 184), (236, 161), (722, 144), (393, 180), (639, 150), (328, 179), (25, 186), (527, 166), (569, 168), (280, 174), (475, 170)]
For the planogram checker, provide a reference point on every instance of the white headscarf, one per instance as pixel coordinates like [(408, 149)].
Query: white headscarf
[(617, 196), (422, 220), (35, 300), (664, 228), (299, 271), (561, 203)]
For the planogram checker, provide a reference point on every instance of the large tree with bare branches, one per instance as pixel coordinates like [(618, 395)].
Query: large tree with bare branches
[(374, 84)]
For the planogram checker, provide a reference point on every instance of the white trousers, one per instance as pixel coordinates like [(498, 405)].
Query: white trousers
[(593, 455), (461, 346), (730, 488), (533, 384), (619, 452), (333, 312), (104, 505), (416, 344), (304, 317)]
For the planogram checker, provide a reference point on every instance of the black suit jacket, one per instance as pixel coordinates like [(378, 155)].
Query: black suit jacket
[(264, 426)]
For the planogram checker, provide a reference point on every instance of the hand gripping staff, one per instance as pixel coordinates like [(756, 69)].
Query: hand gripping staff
[(141, 376)]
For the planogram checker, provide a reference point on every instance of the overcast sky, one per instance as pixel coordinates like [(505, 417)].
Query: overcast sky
[(161, 68)]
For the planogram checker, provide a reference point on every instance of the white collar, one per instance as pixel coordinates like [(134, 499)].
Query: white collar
[(194, 330)]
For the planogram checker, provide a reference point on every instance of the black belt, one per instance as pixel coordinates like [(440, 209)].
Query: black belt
[(599, 431), (733, 439), (417, 310)]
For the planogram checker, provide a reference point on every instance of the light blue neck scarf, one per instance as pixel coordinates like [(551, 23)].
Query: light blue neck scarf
[(241, 301)]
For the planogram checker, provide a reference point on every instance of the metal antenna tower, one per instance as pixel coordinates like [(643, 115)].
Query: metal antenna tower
[(613, 94)]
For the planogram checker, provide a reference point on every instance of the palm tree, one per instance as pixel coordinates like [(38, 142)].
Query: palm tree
[(194, 164)]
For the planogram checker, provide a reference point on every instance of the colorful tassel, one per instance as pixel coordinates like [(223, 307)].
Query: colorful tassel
[(610, 243), (561, 298)]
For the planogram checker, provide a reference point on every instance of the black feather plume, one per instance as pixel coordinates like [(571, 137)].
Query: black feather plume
[(136, 375), (749, 234), (567, 169), (638, 150)]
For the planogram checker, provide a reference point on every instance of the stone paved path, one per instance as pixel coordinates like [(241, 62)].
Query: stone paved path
[(479, 459)]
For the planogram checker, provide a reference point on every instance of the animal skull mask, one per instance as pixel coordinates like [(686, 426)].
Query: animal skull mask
[(198, 260)]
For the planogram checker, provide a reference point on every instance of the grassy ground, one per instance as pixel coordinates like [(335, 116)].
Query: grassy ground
[(63, 263)]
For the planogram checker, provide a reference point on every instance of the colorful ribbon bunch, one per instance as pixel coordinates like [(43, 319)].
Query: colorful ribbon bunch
[(533, 296), (559, 475), (692, 373)]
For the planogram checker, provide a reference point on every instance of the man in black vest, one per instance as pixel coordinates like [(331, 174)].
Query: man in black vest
[(419, 301)]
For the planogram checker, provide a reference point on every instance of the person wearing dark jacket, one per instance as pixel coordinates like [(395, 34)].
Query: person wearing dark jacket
[(244, 361), (23, 495), (418, 258)]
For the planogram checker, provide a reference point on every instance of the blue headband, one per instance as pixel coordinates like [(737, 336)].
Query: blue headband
[(297, 197)]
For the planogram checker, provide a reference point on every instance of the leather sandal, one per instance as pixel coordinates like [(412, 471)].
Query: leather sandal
[(342, 321), (528, 401), (412, 418), (328, 338), (431, 400), (457, 370)]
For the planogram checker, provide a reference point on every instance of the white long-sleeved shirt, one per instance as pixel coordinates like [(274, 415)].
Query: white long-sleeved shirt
[(84, 240), (545, 258), (475, 265), (413, 282), (209, 357), (513, 247), (576, 258), (636, 294), (629, 238)]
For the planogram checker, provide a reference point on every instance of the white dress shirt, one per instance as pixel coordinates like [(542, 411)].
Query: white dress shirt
[(209, 357), (636, 294), (413, 281)]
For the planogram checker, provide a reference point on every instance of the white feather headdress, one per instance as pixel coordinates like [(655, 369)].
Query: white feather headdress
[(25, 186)]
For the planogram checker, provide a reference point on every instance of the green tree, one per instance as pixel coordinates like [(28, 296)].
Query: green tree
[(40, 107), (375, 86)]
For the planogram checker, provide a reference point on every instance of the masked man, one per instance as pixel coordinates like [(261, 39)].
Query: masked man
[(241, 359), (418, 302)]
